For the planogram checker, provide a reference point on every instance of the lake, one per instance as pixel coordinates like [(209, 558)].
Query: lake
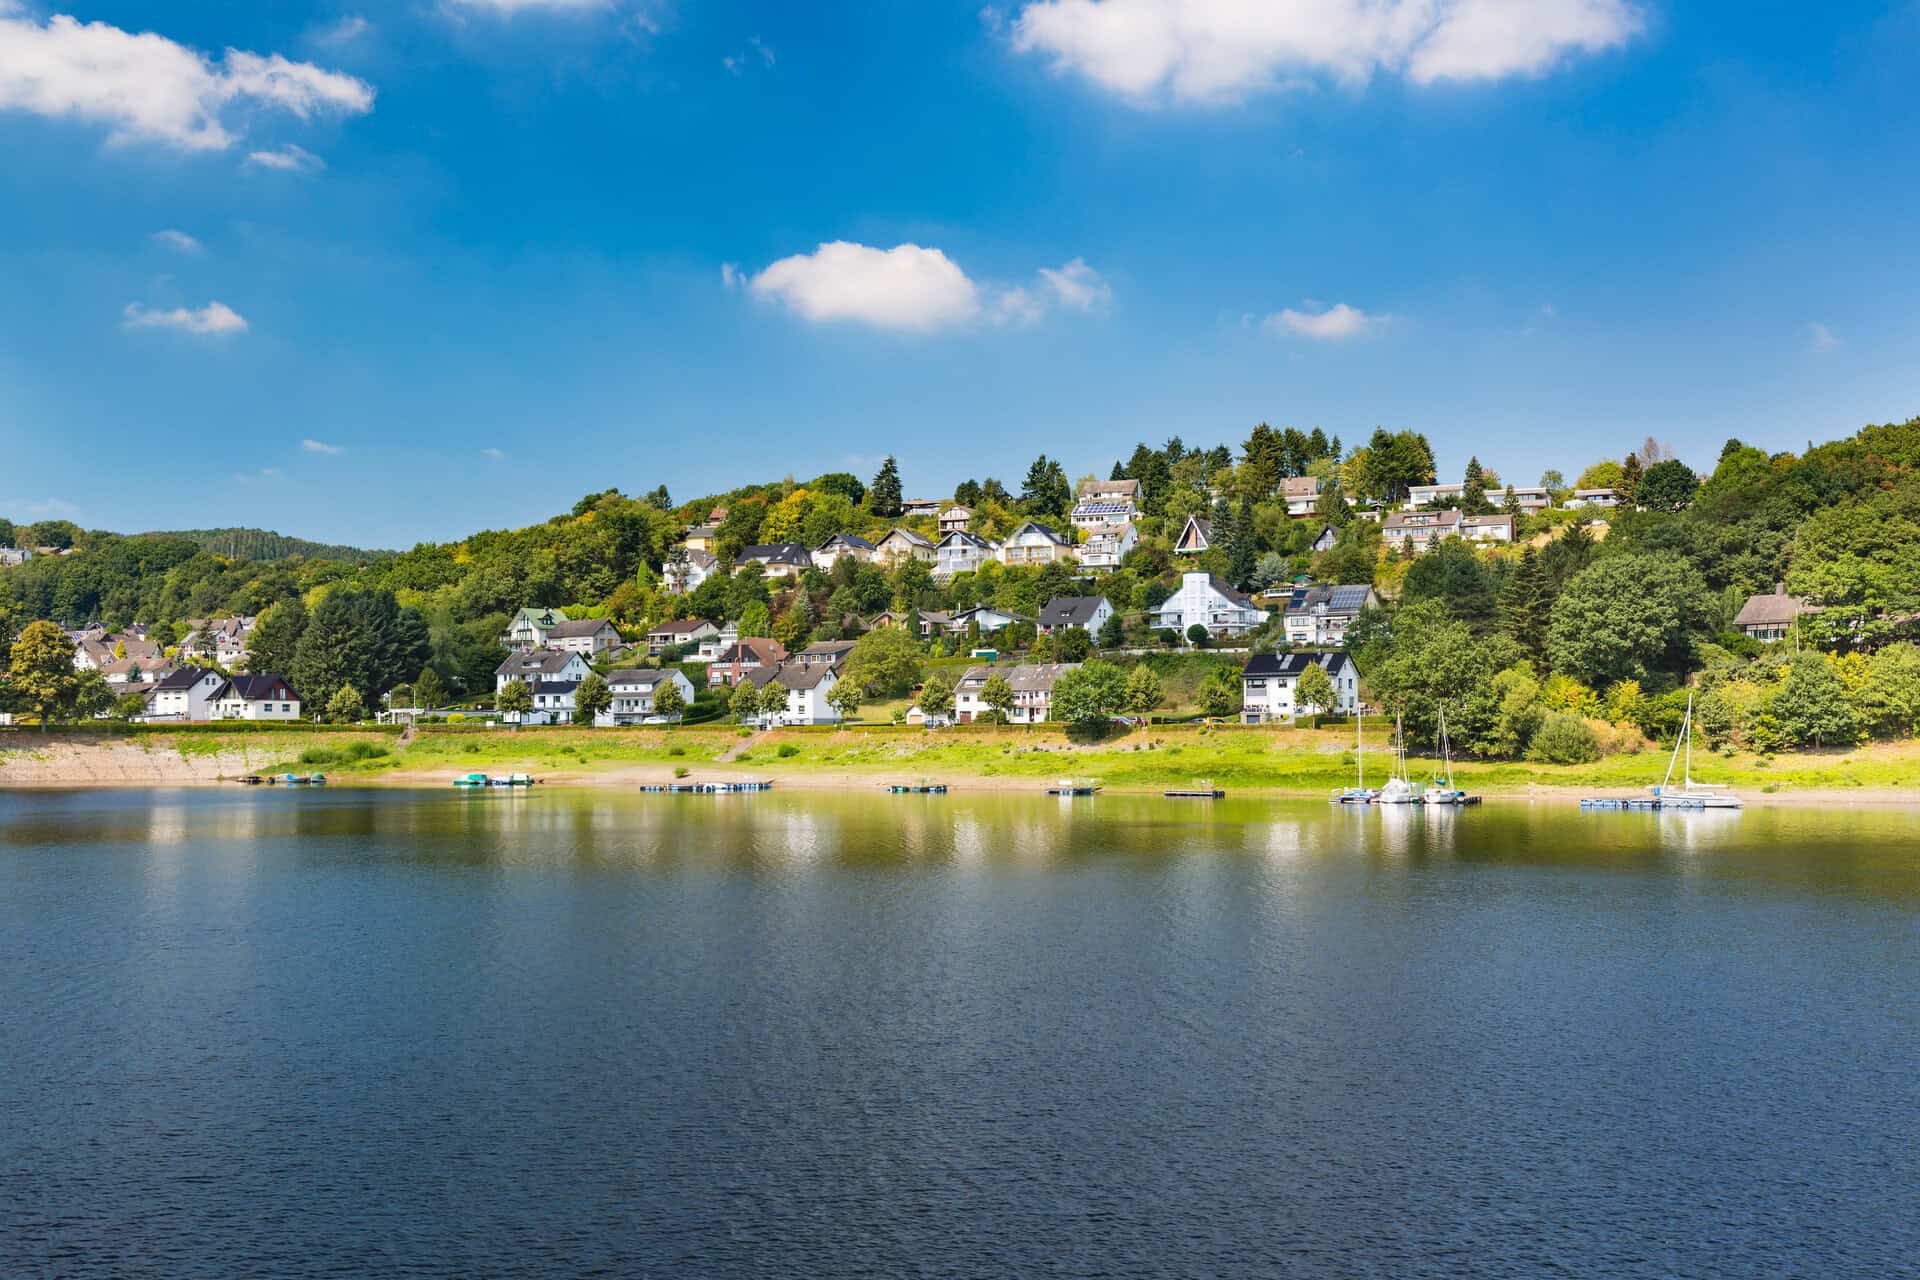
[(372, 1033)]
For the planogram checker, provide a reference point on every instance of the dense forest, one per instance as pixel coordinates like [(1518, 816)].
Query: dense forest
[(1567, 643)]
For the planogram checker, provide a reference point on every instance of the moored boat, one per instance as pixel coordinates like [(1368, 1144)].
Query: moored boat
[(1358, 793)]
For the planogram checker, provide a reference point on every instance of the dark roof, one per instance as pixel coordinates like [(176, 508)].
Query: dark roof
[(556, 686), (1203, 525), (535, 662), (262, 688), (577, 627), (1070, 611), (1101, 507), (1290, 665), (681, 627), (184, 678), (1338, 599), (1037, 527), (1038, 677), (853, 540), (645, 677), (751, 650), (1219, 584), (776, 553), (963, 536)]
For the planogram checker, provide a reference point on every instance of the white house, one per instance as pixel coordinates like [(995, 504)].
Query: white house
[(686, 570), (1031, 683), (1107, 545), (955, 519), (1325, 539), (1207, 600), (1268, 682), (1495, 528), (1421, 495), (1089, 613), (186, 694), (901, 543), (530, 626), (1106, 502), (261, 697), (807, 686), (1419, 530), (229, 639), (586, 636), (634, 691), (787, 560), (1301, 494), (1593, 498), (961, 553), (988, 618), (536, 666), (1034, 543), (843, 544), (1320, 616), (553, 701)]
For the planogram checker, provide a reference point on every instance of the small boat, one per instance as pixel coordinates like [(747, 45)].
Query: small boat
[(1205, 791), (1689, 795), (250, 780), (515, 780), (472, 782), (1441, 790), (1358, 793), (301, 780), (1398, 789), (1068, 787)]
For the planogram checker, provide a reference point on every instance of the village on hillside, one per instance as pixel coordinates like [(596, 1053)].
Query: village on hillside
[(1307, 579)]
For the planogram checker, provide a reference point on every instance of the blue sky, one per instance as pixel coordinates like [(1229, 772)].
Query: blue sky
[(473, 258)]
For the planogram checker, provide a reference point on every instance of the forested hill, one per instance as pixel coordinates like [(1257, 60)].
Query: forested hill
[(263, 544)]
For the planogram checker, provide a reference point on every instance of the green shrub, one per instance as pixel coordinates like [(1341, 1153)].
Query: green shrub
[(319, 755), (787, 751), (1564, 739), (679, 771), (676, 750)]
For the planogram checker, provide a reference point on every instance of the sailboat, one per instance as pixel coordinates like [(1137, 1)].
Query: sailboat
[(1397, 789), (1441, 790), (1690, 794), (1358, 793)]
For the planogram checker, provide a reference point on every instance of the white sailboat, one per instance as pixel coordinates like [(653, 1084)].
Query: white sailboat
[(1441, 790), (1358, 793), (1397, 789), (1690, 794)]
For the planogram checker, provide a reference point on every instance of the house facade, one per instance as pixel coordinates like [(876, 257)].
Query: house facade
[(1269, 681), (1107, 545), (1320, 616), (1302, 495), (1206, 599), (1089, 613), (186, 694), (1593, 498), (1495, 528), (777, 560), (955, 519), (1325, 539), (1770, 618), (685, 571), (843, 544), (961, 553), (1106, 502), (680, 633), (530, 627), (586, 636), (1031, 683), (900, 544), (741, 658), (537, 666), (256, 697), (1419, 530), (1034, 543), (807, 686), (634, 692), (227, 637)]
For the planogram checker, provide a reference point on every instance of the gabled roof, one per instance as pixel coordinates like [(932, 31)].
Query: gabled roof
[(956, 512), (1110, 531), (1333, 599), (536, 662), (830, 650), (538, 615), (638, 677), (752, 649), (184, 677), (792, 675), (847, 540), (1421, 519), (551, 687), (905, 535), (579, 627), (1300, 487), (1071, 611), (1774, 609), (776, 553), (1199, 524), (1219, 584), (1038, 677), (260, 688), (968, 539), (1040, 529), (1110, 488), (682, 627)]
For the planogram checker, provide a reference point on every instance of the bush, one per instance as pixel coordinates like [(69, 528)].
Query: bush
[(676, 750), (787, 751), (1564, 739), (679, 771)]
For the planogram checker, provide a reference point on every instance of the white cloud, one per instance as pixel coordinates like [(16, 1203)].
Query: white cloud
[(508, 8), (344, 32), (1078, 285), (1331, 324), (215, 319), (1219, 50), (730, 276), (756, 51), (146, 87), (321, 446), (179, 241), (287, 159), (1018, 306), (1821, 338), (903, 288), (497, 455)]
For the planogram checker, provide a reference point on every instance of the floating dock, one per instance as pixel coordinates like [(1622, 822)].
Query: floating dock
[(1201, 794), (704, 788), (1072, 791), (1651, 803), (930, 789)]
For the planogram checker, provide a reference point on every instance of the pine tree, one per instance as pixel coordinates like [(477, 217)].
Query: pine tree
[(1242, 552), (1629, 479), (883, 496), (1526, 607), (1510, 505), (1473, 496)]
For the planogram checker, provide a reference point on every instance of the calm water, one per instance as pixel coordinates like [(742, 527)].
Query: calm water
[(364, 1034)]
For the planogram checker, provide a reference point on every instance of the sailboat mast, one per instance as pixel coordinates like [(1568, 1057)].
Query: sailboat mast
[(1686, 735)]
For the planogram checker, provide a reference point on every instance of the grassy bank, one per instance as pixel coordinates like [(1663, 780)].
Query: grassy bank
[(1304, 761)]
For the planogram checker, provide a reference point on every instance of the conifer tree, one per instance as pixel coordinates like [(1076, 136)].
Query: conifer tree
[(1526, 607), (1629, 479), (1473, 495), (883, 496)]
